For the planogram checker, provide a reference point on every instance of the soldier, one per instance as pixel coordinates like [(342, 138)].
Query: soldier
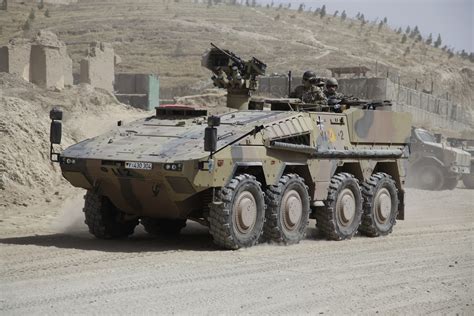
[(331, 89), (309, 92)]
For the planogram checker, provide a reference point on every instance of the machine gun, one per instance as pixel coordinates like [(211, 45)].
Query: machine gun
[(341, 104), (231, 71)]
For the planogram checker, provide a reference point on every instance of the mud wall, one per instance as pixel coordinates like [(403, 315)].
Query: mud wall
[(98, 68), (50, 67), (15, 59)]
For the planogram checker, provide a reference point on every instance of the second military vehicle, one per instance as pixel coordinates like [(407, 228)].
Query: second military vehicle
[(466, 144), (249, 175), (434, 164)]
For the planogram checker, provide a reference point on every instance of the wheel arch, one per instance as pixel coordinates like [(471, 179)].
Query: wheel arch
[(353, 168)]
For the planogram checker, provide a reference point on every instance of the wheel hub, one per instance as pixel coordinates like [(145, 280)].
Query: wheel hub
[(427, 177), (245, 211), (292, 208), (346, 206), (383, 205)]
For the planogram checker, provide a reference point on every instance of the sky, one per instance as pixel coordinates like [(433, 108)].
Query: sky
[(453, 19)]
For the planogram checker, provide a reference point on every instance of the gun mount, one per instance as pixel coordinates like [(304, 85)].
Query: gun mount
[(231, 72)]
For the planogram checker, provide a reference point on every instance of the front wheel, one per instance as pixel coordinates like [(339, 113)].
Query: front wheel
[(343, 208), (430, 177), (380, 205), (104, 220), (236, 217), (287, 211)]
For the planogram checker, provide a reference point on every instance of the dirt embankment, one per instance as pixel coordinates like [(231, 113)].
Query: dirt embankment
[(27, 177)]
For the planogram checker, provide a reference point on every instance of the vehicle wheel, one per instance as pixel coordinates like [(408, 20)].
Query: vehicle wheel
[(162, 226), (236, 218), (287, 211), (343, 208), (380, 205), (450, 183), (430, 177), (104, 220), (468, 180)]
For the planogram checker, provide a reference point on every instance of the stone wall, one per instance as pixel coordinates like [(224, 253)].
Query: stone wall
[(98, 68)]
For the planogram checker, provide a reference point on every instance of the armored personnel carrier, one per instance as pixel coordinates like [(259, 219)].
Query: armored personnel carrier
[(249, 175)]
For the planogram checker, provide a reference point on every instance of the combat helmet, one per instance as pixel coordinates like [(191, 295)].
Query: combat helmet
[(308, 75), (332, 82)]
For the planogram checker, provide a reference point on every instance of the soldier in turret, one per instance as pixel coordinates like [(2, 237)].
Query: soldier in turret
[(331, 89), (309, 92)]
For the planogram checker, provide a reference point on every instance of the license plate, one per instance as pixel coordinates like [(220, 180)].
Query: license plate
[(138, 165)]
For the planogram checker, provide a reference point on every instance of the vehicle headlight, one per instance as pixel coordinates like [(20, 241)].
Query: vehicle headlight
[(173, 166)]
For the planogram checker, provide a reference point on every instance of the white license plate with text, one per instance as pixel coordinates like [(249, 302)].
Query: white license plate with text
[(138, 165)]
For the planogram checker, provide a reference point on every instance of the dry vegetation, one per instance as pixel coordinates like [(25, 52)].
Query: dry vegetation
[(169, 37)]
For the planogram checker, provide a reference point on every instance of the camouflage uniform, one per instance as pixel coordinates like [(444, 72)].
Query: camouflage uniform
[(313, 94), (336, 94)]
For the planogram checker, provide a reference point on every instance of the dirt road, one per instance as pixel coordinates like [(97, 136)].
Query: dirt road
[(425, 266)]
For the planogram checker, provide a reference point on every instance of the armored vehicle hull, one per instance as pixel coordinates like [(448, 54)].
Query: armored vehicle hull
[(265, 175)]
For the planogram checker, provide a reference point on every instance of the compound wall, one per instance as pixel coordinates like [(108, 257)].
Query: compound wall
[(427, 110), (138, 90)]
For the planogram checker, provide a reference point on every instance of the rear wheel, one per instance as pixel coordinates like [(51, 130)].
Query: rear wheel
[(287, 210), (162, 227), (343, 208), (236, 217), (430, 177), (468, 180), (104, 220), (380, 205)]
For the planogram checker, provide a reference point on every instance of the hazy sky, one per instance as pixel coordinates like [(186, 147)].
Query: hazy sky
[(453, 19)]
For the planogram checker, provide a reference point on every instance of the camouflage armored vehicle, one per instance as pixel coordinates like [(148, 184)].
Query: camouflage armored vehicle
[(434, 164), (249, 175), (467, 145)]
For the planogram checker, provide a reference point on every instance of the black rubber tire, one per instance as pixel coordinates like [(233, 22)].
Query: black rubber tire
[(103, 218), (450, 183), (468, 180), (162, 226), (371, 226), (275, 228), (329, 220), (430, 177), (223, 224)]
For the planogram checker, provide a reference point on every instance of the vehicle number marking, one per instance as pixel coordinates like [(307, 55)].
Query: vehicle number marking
[(138, 165)]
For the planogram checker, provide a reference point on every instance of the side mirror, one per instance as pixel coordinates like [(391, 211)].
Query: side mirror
[(210, 133), (210, 139), (438, 138), (56, 114), (55, 132)]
